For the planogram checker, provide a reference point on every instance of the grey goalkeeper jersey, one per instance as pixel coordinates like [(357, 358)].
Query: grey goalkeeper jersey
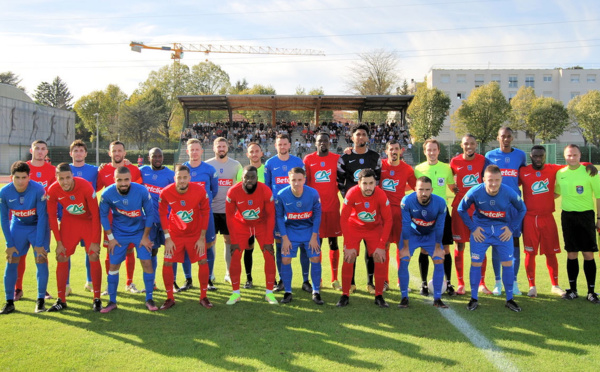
[(227, 173)]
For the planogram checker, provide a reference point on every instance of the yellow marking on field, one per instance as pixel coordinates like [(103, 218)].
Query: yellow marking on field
[(305, 330)]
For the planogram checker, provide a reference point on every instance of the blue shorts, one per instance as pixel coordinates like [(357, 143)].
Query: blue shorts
[(121, 252), (427, 242), (211, 234), (492, 237), (157, 235), (513, 213), (24, 236), (302, 245)]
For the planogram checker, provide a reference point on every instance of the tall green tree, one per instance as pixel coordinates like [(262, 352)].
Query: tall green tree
[(376, 73), (482, 114), (140, 118), (427, 112), (239, 87), (521, 107), (573, 117), (587, 113), (548, 119), (11, 78), (106, 103), (258, 115), (55, 94)]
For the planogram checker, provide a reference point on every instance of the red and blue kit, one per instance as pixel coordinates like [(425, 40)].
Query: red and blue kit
[(44, 175), (468, 173), (88, 172), (106, 175), (250, 214), (394, 179), (276, 172), (321, 175)]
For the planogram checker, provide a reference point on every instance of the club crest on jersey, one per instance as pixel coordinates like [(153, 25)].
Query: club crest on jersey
[(469, 167), (367, 204), (154, 176), (221, 170), (21, 200), (389, 184), (38, 174), (356, 175), (323, 176), (298, 204), (182, 202), (537, 174), (76, 209), (322, 163), (392, 173), (72, 197), (251, 214), (361, 161), (194, 174), (284, 167), (492, 202), (507, 160), (441, 181), (367, 216), (125, 202), (579, 189), (186, 216), (250, 202), (540, 187), (424, 213), (470, 180), (79, 173)]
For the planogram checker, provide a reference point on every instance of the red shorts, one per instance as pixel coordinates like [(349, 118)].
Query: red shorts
[(330, 224), (240, 233), (460, 231), (372, 241), (75, 231), (540, 231), (396, 231), (184, 245)]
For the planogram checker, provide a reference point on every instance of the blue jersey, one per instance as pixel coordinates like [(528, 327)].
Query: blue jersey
[(418, 219), (276, 172), (206, 175), (298, 217), (27, 208), (88, 172), (155, 181), (509, 164), (492, 210), (131, 213)]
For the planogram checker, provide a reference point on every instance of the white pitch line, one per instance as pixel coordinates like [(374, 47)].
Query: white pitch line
[(492, 352)]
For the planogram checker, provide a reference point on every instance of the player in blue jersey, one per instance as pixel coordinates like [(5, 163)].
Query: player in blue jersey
[(298, 213), (423, 219), (132, 210), (78, 153), (24, 222), (156, 177), (509, 160), (206, 175), (492, 224), (276, 178)]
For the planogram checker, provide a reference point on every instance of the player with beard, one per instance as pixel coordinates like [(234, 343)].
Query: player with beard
[(106, 177), (348, 168), (250, 211), (227, 170), (184, 215), (321, 174), (132, 211)]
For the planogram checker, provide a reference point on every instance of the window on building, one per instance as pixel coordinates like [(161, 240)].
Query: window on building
[(478, 80), (574, 94), (511, 95), (445, 78), (513, 81), (530, 81), (460, 95), (574, 78), (461, 79), (496, 78), (591, 78), (547, 78)]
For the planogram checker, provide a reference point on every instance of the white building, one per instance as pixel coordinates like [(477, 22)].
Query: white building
[(561, 84)]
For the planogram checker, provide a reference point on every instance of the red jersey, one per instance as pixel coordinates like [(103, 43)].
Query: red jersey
[(44, 175), (253, 209), (468, 173), (106, 176), (189, 213), (321, 175), (78, 204), (538, 188), (366, 213), (394, 179)]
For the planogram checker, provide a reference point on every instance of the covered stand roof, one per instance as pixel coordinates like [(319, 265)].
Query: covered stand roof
[(275, 103)]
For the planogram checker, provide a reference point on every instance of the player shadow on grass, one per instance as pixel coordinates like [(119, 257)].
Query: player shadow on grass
[(253, 334)]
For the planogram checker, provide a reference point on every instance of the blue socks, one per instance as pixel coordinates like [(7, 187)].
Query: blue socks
[(315, 274), (304, 262), (508, 279), (286, 276), (10, 280), (438, 279), (278, 257), (403, 276), (149, 283), (496, 264), (475, 278), (210, 258), (42, 279), (87, 268), (517, 260), (113, 283)]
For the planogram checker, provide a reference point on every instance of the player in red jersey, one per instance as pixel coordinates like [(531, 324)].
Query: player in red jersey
[(106, 177), (42, 173), (187, 222), (80, 222), (321, 174), (250, 211), (395, 175), (366, 215), (468, 169)]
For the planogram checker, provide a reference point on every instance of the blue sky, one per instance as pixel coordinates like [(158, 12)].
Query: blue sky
[(87, 43)]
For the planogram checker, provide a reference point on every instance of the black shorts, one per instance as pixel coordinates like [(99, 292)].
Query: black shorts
[(220, 224), (447, 237), (579, 231)]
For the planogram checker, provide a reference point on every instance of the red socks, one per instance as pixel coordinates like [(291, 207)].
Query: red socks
[(235, 269), (130, 263), (459, 257), (530, 268), (269, 269), (334, 259), (203, 278), (552, 264), (168, 279), (380, 272), (62, 274), (96, 271), (21, 272), (347, 273)]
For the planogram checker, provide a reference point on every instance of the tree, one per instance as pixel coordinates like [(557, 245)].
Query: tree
[(587, 113), (521, 106), (208, 78), (375, 74), (11, 78), (55, 94), (573, 117), (427, 112), (140, 118), (548, 119), (404, 89), (482, 114), (258, 115), (239, 87), (106, 103)]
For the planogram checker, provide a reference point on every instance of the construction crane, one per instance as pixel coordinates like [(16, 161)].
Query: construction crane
[(178, 49)]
